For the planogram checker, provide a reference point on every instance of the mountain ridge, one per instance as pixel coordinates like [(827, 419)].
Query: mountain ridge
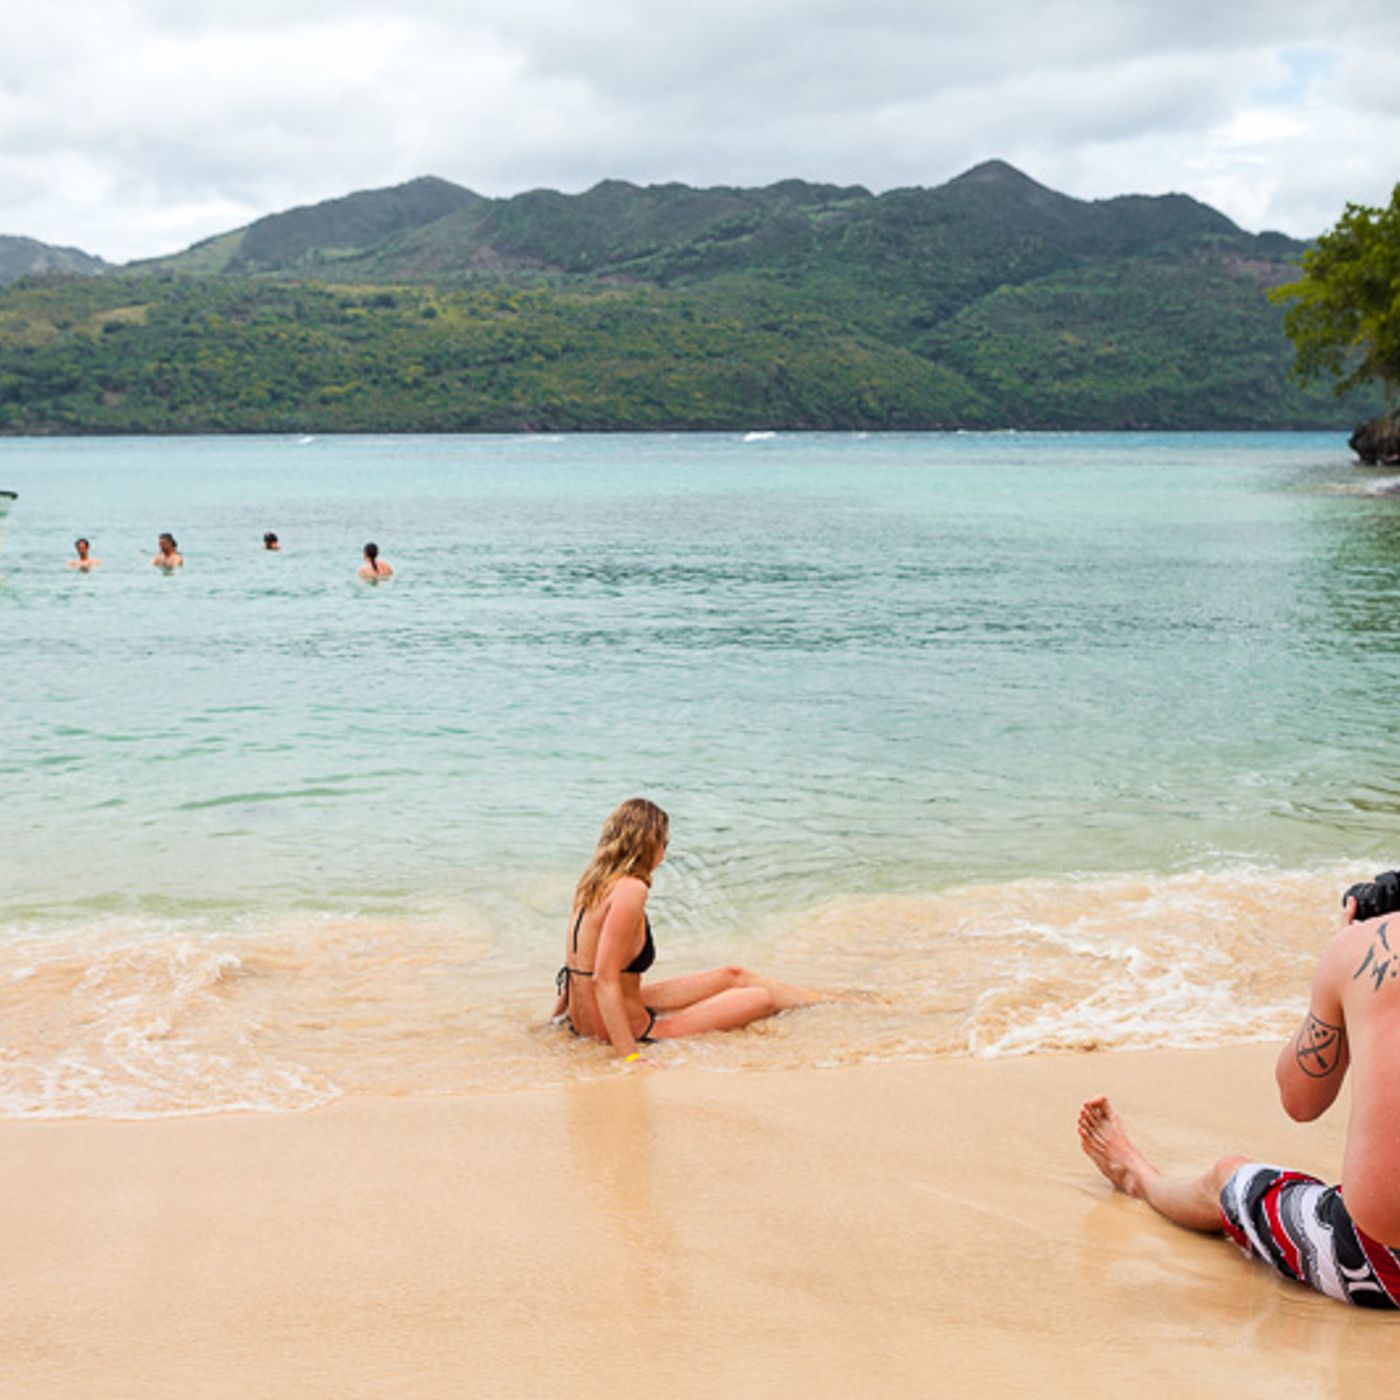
[(989, 301), (667, 232), (28, 257), (408, 230)]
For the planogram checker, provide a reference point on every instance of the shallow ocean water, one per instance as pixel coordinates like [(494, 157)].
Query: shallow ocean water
[(1030, 741)]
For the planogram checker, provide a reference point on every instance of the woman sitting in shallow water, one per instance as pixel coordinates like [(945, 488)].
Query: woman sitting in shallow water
[(610, 947)]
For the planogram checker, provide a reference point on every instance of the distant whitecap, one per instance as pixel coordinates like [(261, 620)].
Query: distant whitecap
[(759, 437)]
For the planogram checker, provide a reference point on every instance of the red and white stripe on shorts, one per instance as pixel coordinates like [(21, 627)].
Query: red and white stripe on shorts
[(1300, 1227)]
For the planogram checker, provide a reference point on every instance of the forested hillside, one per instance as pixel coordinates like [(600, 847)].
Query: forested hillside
[(987, 302)]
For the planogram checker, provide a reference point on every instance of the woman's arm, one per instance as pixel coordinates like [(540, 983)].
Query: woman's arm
[(626, 909)]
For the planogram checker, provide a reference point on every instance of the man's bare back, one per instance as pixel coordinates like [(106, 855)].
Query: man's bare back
[(1354, 1022)]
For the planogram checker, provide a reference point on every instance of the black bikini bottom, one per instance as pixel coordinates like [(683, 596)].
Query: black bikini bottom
[(644, 1039)]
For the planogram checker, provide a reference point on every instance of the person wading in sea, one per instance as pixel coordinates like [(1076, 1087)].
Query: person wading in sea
[(1293, 1222), (168, 556), (374, 568), (85, 561)]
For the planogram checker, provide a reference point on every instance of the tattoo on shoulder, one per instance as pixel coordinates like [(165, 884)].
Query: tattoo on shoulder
[(1380, 964), (1318, 1047)]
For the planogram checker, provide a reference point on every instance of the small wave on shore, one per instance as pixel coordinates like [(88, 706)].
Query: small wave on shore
[(129, 1020)]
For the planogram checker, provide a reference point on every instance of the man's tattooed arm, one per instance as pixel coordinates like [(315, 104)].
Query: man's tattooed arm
[(1318, 1047), (1312, 1063)]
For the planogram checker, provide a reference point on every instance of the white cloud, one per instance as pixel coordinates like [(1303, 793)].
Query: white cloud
[(131, 127)]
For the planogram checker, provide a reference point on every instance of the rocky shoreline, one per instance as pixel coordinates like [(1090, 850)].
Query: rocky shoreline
[(1377, 443)]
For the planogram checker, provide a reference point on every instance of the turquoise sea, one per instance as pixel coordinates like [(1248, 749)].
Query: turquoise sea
[(1033, 740)]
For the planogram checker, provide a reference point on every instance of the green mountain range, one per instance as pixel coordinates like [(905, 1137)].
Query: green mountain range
[(27, 257), (990, 301)]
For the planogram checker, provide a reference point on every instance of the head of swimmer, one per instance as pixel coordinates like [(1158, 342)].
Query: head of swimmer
[(633, 842), (83, 547), (270, 541), (167, 543), (372, 555)]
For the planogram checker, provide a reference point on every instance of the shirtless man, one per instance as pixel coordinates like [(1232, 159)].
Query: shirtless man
[(1294, 1223), (169, 556), (85, 561)]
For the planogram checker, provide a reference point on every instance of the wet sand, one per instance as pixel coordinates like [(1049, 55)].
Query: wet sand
[(907, 1229)]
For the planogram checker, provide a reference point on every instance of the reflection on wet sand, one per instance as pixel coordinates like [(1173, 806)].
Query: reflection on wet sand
[(613, 1144)]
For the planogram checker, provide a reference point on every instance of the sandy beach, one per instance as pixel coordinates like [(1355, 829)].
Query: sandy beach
[(906, 1229)]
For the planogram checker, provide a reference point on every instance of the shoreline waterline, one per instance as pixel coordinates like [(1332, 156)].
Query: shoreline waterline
[(126, 1019)]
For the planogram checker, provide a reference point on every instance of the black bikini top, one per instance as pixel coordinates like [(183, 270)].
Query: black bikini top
[(643, 961), (640, 964)]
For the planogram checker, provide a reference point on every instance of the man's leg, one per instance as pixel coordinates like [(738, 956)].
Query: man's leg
[(1190, 1201)]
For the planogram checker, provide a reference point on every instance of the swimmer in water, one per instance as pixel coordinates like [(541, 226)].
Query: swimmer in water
[(375, 569), (85, 562), (271, 542), (169, 558), (609, 948)]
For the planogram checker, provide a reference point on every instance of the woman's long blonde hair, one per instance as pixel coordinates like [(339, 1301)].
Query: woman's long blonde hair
[(632, 841)]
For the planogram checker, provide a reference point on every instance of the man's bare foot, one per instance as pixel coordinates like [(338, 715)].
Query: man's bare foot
[(1102, 1137)]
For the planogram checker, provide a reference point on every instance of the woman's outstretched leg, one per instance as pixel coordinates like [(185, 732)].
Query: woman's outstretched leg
[(725, 1011), (1193, 1202), (722, 999), (676, 993)]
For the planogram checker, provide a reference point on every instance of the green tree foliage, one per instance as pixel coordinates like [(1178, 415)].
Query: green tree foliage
[(209, 355), (1160, 342), (1343, 314)]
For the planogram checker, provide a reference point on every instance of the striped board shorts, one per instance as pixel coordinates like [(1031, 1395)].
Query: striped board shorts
[(1300, 1228)]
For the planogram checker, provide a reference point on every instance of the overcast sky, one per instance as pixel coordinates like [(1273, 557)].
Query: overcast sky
[(134, 127)]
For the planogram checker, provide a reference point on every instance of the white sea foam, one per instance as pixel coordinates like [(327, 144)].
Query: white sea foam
[(120, 1020)]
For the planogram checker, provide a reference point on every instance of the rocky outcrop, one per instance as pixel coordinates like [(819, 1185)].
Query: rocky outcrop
[(1377, 443)]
